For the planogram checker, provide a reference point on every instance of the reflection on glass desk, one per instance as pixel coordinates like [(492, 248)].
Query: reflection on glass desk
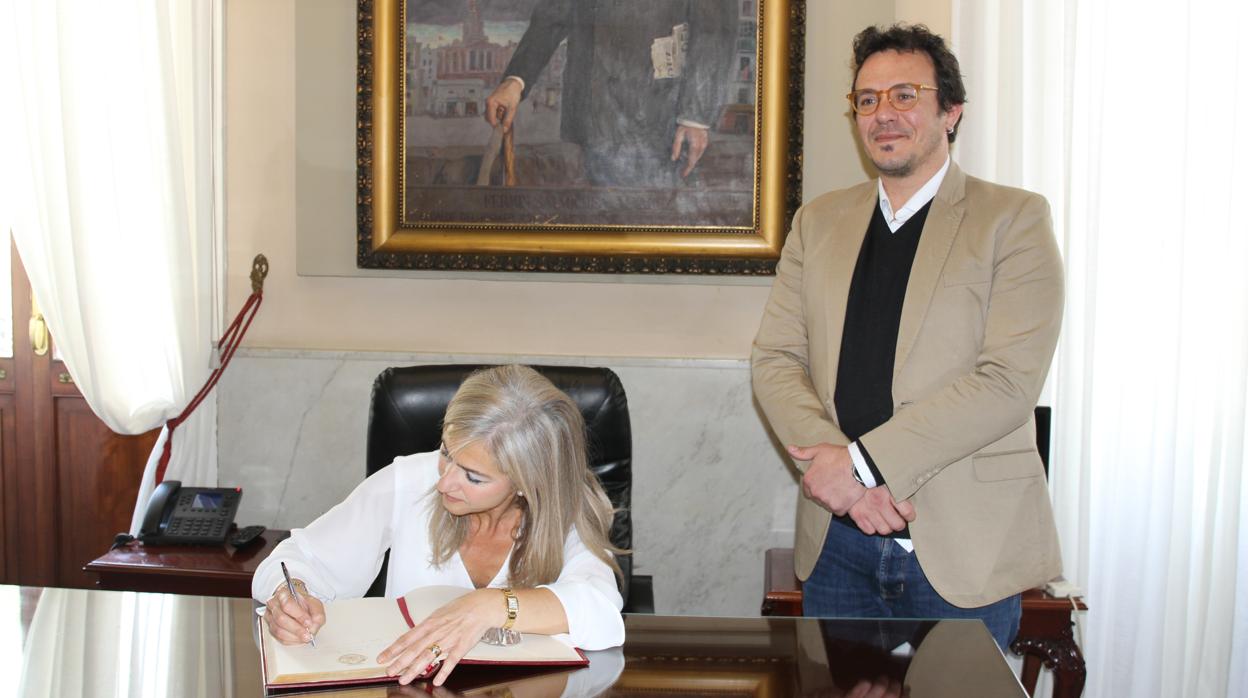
[(76, 642)]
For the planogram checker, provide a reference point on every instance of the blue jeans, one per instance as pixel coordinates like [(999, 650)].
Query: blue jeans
[(861, 576)]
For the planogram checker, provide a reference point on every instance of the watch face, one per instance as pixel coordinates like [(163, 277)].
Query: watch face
[(513, 607)]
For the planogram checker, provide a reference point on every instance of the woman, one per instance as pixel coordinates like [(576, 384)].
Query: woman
[(506, 507)]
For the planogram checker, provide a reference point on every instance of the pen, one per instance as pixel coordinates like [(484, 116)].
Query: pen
[(290, 586)]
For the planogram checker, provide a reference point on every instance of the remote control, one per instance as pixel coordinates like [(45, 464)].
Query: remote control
[(245, 536)]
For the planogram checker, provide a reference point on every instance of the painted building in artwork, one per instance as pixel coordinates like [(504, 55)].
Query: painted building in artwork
[(745, 64), (738, 115), (460, 96), (454, 79), (420, 77)]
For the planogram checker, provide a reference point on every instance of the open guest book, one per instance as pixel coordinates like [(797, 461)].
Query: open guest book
[(357, 630)]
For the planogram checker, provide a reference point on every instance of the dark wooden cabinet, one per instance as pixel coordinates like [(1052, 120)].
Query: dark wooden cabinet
[(67, 482)]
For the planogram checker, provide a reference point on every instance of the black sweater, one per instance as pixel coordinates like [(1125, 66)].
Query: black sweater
[(864, 375)]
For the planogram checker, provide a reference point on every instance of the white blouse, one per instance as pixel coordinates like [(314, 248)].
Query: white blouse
[(340, 553)]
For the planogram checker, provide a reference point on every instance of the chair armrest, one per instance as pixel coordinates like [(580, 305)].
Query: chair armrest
[(782, 592)]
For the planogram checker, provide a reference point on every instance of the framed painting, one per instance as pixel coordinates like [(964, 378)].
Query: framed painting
[(642, 136)]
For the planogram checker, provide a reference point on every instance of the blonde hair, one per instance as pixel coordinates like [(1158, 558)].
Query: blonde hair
[(537, 435)]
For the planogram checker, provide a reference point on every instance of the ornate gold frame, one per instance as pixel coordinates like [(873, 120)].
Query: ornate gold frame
[(383, 242)]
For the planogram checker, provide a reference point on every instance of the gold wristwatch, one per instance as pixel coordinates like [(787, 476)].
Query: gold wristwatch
[(513, 607)]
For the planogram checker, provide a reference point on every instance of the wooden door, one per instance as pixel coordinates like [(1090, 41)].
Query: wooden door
[(69, 482)]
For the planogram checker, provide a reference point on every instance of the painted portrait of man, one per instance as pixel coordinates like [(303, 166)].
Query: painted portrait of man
[(616, 112)]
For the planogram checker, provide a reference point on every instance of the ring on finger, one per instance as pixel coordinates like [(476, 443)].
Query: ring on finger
[(436, 650)]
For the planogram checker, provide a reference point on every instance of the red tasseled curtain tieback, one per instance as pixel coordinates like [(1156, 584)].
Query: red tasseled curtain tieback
[(228, 344)]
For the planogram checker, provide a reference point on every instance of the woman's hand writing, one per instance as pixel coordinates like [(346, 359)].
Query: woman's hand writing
[(288, 621), (445, 636)]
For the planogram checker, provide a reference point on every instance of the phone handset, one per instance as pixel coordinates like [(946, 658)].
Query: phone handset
[(162, 500)]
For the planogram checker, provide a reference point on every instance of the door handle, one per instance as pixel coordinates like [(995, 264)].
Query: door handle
[(38, 329)]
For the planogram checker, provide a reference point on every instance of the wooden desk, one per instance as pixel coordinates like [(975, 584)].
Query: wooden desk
[(184, 569), (1044, 631)]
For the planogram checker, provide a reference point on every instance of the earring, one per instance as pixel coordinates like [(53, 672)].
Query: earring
[(949, 131), (519, 494)]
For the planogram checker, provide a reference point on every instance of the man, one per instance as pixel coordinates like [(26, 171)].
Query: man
[(633, 112), (900, 356)]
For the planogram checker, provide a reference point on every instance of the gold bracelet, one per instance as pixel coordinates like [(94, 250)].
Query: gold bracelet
[(298, 584), (513, 607)]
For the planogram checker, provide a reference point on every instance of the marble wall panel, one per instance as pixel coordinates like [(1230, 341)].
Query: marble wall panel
[(711, 491)]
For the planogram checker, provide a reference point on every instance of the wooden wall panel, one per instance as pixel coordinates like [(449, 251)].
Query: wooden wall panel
[(67, 483), (8, 494), (99, 474)]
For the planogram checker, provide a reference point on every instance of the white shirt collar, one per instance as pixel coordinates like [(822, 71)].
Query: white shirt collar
[(926, 193)]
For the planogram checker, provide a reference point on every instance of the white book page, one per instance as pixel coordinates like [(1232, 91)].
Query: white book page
[(357, 630)]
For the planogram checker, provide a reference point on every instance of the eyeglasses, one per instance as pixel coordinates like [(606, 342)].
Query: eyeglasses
[(903, 97)]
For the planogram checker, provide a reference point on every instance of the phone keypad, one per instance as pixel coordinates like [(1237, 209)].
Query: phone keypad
[(196, 527), (191, 524)]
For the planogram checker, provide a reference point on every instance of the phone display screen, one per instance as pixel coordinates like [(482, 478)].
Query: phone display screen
[(207, 500)]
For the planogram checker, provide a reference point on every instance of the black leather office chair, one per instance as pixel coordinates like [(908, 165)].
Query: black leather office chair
[(406, 417)]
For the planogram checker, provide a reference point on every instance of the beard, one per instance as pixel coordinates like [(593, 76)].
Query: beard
[(891, 163), (895, 169)]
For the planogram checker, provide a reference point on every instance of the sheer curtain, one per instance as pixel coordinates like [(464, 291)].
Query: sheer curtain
[(1133, 119), (91, 643), (106, 180), (106, 153)]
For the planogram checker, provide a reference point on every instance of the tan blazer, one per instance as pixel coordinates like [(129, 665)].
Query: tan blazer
[(979, 325)]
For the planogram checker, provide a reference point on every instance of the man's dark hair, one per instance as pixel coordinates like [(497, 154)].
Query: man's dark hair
[(913, 38)]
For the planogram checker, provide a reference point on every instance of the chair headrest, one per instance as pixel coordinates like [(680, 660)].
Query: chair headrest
[(406, 417), (408, 403)]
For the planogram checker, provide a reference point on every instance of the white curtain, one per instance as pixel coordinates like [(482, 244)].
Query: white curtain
[(92, 643), (106, 154), (1133, 119)]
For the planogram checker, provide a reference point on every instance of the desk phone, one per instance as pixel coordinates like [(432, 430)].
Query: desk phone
[(178, 515)]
